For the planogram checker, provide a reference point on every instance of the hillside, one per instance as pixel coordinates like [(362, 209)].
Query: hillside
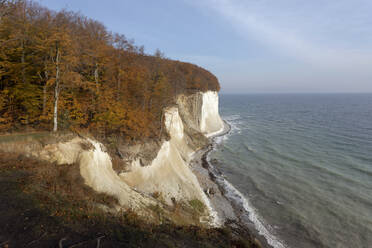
[(101, 145), (64, 71)]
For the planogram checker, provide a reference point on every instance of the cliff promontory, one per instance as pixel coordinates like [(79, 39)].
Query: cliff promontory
[(168, 175), (97, 139)]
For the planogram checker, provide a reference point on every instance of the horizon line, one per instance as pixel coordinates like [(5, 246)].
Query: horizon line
[(283, 93)]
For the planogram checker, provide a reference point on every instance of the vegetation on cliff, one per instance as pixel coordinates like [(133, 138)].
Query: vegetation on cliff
[(44, 205), (62, 70)]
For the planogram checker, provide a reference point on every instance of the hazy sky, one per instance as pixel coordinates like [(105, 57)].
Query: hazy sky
[(251, 45)]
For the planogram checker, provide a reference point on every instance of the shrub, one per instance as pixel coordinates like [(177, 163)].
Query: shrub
[(197, 205)]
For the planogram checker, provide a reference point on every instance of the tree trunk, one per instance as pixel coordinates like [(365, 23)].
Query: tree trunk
[(56, 92), (150, 104), (161, 125), (96, 77), (45, 81), (145, 96), (119, 86), (23, 41), (23, 61), (44, 99), (3, 8)]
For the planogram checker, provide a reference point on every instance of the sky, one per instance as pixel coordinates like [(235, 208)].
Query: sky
[(252, 46)]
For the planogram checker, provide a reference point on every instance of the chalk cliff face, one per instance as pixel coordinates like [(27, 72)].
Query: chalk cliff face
[(211, 122), (96, 169), (194, 118), (169, 173), (200, 112)]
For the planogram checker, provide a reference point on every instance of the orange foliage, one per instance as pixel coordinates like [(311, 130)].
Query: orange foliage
[(107, 84)]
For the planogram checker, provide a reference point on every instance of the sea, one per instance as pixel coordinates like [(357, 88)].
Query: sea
[(300, 165)]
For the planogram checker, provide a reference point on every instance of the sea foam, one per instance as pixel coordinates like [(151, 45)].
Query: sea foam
[(234, 195)]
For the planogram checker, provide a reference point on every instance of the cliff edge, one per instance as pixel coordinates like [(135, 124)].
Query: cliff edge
[(165, 181)]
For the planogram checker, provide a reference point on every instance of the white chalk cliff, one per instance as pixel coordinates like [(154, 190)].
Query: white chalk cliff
[(168, 174), (199, 111), (211, 122)]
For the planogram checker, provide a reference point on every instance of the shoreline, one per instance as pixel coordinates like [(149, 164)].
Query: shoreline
[(212, 181)]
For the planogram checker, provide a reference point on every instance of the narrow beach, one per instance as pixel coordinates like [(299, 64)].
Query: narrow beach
[(229, 211)]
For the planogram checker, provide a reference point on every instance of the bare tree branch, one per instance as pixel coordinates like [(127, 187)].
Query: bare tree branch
[(60, 245)]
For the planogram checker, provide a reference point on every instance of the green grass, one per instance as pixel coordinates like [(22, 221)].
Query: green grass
[(24, 136), (197, 205)]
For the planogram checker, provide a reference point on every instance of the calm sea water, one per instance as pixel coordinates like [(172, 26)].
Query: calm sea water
[(304, 162)]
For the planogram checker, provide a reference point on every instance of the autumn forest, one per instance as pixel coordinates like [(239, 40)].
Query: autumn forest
[(64, 71)]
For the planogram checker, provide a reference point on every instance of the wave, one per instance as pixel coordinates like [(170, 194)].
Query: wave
[(249, 148), (363, 171), (235, 122), (235, 196), (231, 118)]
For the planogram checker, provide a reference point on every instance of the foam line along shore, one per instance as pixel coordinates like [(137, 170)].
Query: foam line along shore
[(246, 215)]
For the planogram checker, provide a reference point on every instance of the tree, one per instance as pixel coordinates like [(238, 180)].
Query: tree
[(64, 59), (4, 8), (159, 54), (61, 70)]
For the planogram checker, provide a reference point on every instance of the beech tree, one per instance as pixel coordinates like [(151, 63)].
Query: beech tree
[(62, 70), (63, 48)]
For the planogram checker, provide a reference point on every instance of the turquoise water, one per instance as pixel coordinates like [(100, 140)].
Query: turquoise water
[(304, 162)]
